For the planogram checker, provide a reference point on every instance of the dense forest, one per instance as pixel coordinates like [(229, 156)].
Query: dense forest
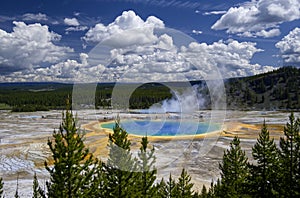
[(75, 172), (276, 90)]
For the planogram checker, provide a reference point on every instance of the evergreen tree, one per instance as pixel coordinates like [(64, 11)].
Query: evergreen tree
[(184, 185), (35, 187), (1, 187), (147, 171), (264, 179), (234, 170), (37, 191), (167, 189), (290, 158), (161, 189), (98, 182), (216, 190), (73, 165), (204, 193), (120, 170), (171, 188)]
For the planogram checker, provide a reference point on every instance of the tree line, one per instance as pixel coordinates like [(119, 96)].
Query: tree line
[(40, 97), (273, 90), (75, 172)]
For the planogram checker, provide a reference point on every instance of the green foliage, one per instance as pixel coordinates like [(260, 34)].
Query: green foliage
[(28, 96), (146, 170), (35, 187), (121, 167), (234, 170), (264, 175), (184, 185), (204, 193), (4, 106), (161, 188), (148, 94), (216, 190), (181, 188), (99, 182), (290, 158), (276, 172), (73, 165), (273, 90), (37, 191), (169, 188), (31, 95)]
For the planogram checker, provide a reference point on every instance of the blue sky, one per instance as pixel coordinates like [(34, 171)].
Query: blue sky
[(57, 40)]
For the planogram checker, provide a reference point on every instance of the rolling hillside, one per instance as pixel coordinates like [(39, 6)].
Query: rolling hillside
[(276, 90)]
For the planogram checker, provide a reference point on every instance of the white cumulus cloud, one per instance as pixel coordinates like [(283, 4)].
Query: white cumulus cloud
[(195, 61), (268, 33), (29, 46), (290, 47), (259, 18), (71, 22), (66, 71), (132, 52), (123, 25), (231, 57)]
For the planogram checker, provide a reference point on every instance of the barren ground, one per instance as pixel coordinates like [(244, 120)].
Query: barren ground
[(23, 143)]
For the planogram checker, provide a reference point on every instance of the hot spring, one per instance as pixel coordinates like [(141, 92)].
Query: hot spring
[(164, 127)]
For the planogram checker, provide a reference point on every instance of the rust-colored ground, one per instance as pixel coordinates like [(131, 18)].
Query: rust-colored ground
[(97, 137)]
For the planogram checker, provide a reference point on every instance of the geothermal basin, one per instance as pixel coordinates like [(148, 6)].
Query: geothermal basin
[(169, 127), (23, 142)]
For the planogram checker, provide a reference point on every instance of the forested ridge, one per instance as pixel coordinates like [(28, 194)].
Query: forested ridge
[(276, 90), (75, 172)]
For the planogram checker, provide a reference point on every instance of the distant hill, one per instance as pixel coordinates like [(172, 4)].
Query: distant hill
[(276, 90)]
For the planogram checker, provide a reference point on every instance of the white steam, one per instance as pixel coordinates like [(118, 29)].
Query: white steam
[(188, 101)]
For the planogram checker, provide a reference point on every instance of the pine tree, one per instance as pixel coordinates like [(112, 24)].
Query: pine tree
[(184, 185), (73, 165), (216, 190), (35, 187), (204, 193), (167, 189), (1, 187), (234, 170), (290, 158), (147, 171), (211, 191), (98, 182), (37, 191), (171, 188), (264, 179), (121, 168), (161, 188)]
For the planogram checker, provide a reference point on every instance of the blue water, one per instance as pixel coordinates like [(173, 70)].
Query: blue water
[(164, 128)]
